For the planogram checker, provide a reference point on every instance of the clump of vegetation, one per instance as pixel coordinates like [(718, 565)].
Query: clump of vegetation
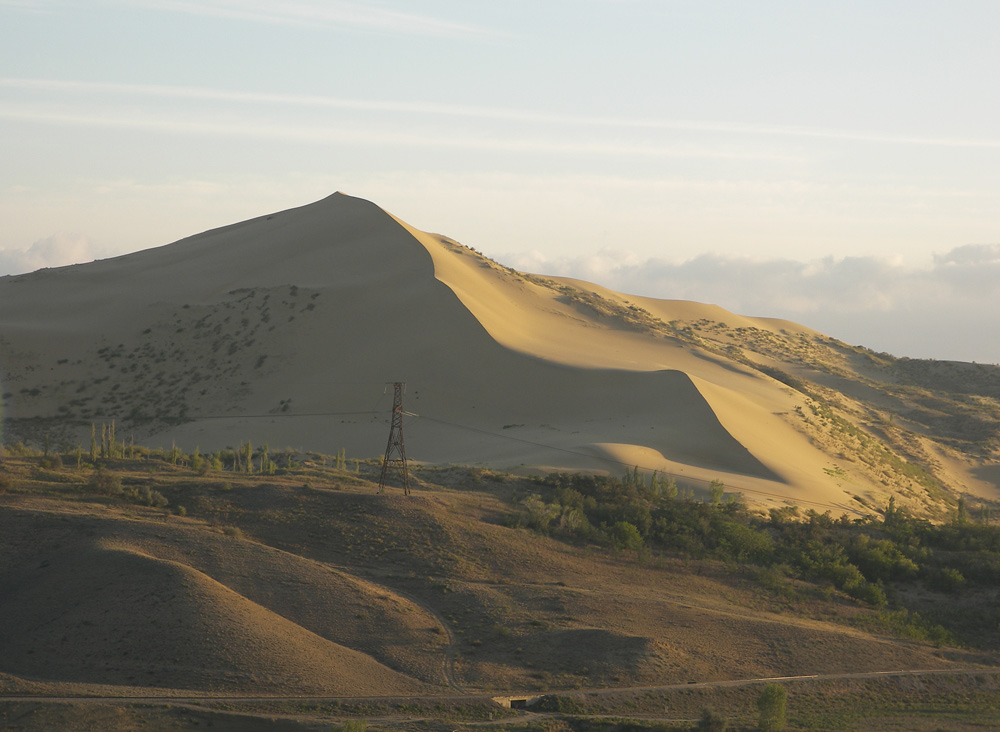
[(711, 721), (106, 482), (866, 559), (772, 704)]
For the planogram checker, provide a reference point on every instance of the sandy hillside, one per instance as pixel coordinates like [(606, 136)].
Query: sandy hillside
[(285, 330)]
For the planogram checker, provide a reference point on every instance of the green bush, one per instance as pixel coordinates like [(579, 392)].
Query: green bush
[(772, 703), (352, 725), (711, 721), (716, 490), (106, 482), (947, 579), (50, 462), (624, 535)]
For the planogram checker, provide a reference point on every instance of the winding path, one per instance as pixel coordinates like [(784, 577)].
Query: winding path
[(195, 699)]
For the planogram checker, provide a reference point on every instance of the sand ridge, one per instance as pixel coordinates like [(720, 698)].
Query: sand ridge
[(285, 329)]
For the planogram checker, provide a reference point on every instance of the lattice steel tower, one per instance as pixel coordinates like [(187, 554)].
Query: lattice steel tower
[(395, 445)]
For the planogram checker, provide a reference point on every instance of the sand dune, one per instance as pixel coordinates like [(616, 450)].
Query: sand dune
[(285, 329)]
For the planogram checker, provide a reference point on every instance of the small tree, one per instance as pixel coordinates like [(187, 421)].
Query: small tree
[(771, 703), (625, 536), (716, 490), (961, 515), (105, 482), (711, 721)]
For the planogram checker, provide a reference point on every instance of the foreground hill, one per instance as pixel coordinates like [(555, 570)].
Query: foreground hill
[(285, 329)]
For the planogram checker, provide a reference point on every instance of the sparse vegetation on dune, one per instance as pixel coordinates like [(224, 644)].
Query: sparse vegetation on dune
[(243, 340)]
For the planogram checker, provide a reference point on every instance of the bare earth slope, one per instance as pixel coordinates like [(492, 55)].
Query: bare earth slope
[(92, 597), (285, 329), (334, 590)]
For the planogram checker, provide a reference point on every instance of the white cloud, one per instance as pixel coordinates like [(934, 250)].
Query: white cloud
[(949, 309), (501, 114), (971, 254), (57, 250)]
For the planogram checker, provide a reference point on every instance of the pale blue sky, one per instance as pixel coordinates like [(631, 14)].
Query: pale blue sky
[(837, 163)]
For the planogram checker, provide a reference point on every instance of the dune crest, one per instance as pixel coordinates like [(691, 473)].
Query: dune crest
[(286, 329)]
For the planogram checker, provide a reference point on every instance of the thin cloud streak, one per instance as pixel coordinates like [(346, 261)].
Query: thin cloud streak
[(301, 14), (475, 112), (298, 133)]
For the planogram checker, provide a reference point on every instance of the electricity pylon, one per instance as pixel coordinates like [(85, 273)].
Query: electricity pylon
[(395, 445)]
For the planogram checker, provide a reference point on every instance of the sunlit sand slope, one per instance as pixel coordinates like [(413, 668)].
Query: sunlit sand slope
[(287, 328)]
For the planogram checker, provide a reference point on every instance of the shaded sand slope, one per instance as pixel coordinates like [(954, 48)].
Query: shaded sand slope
[(285, 329), (531, 316), (85, 602)]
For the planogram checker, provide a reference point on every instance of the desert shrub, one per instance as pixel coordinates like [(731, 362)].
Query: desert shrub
[(538, 515), (716, 490), (50, 461), (234, 531), (149, 497), (946, 579), (352, 725), (772, 703), (907, 624), (880, 559), (106, 482), (197, 461), (624, 535), (744, 543), (574, 521), (863, 558), (711, 721)]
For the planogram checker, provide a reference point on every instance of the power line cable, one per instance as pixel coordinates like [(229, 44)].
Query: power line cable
[(631, 465), (533, 443)]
